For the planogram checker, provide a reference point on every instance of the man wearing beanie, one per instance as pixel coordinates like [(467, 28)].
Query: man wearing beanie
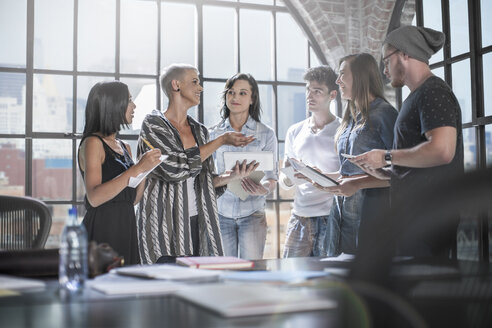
[(428, 141)]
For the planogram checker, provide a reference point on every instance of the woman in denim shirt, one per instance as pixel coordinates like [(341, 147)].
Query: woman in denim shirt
[(243, 222), (367, 124)]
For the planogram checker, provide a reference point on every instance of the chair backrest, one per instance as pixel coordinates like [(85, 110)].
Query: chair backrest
[(25, 223)]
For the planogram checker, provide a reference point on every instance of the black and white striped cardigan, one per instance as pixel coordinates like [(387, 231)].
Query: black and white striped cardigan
[(163, 224)]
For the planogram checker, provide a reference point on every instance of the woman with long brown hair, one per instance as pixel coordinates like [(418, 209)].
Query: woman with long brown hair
[(367, 124)]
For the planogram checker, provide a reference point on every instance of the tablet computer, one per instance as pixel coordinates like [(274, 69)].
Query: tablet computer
[(308, 171), (265, 158)]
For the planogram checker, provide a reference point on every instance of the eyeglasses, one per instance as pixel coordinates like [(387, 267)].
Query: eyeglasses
[(385, 59)]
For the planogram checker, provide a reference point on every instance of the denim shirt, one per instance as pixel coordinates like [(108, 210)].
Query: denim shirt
[(376, 133), (229, 204)]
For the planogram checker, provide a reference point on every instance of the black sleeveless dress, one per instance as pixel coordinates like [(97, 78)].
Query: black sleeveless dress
[(114, 221)]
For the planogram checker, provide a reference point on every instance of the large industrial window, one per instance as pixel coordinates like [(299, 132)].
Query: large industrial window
[(465, 63), (54, 51)]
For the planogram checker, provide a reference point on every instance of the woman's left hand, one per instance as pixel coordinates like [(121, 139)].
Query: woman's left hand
[(253, 188)]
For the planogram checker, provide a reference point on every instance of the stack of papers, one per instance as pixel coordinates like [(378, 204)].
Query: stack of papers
[(232, 300), (273, 276), (19, 284), (168, 272), (133, 287)]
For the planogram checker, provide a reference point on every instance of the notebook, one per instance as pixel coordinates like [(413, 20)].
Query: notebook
[(238, 190), (167, 272), (215, 262)]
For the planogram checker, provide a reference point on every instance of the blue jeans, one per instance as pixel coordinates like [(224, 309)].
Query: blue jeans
[(306, 236), (343, 224), (244, 237)]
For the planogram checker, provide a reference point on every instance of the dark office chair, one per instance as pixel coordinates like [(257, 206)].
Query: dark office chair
[(410, 217), (25, 223)]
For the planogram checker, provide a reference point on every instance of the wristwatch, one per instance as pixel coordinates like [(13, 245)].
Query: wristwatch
[(387, 157)]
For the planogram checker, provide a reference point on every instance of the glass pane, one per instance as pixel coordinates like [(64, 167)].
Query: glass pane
[(80, 189), (458, 12), (84, 85), (58, 217), (280, 3), (439, 72), (138, 37), (271, 245), (486, 11), (487, 83), (488, 144), (178, 47), (97, 30), (467, 237), (267, 105), (144, 96), (462, 87), (211, 102), (314, 61), (53, 34), (12, 103), (52, 169), (291, 49), (433, 19), (261, 2), (256, 43), (291, 107), (405, 91), (52, 103), (12, 167), (219, 42), (13, 24), (470, 149)]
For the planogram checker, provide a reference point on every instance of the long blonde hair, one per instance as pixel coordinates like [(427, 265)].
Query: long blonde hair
[(366, 82)]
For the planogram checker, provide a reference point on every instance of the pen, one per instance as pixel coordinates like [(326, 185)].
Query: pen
[(148, 143)]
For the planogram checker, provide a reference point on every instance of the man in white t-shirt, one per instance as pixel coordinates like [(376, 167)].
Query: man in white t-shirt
[(312, 142)]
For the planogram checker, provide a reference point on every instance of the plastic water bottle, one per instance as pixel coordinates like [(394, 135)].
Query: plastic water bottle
[(73, 267)]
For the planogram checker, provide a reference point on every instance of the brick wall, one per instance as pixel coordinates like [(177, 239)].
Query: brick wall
[(343, 27)]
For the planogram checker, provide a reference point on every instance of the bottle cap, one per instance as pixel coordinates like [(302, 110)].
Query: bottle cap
[(72, 211)]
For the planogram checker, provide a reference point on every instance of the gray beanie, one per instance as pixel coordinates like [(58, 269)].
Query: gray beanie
[(417, 42)]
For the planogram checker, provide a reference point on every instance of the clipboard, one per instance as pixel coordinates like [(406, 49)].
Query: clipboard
[(308, 171)]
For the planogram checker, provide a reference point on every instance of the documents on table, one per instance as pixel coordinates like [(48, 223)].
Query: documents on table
[(265, 158), (237, 189), (168, 272), (134, 287), (135, 181), (11, 283), (236, 300), (273, 276)]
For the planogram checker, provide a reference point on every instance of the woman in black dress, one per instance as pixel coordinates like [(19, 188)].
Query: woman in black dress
[(106, 165)]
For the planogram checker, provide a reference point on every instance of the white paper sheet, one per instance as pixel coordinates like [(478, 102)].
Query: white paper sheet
[(135, 181)]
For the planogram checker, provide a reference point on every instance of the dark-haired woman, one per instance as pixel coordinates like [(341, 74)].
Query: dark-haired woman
[(106, 166), (243, 222)]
